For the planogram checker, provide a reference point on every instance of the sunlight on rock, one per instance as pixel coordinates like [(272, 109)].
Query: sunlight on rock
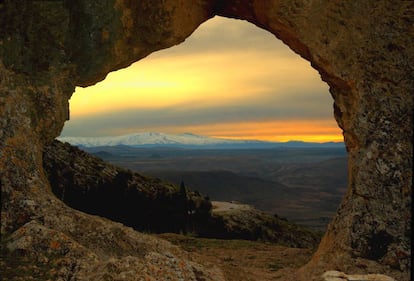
[(334, 275)]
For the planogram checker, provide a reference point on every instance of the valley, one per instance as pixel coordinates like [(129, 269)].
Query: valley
[(303, 184)]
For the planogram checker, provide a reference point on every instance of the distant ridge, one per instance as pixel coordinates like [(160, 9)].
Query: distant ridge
[(154, 139)]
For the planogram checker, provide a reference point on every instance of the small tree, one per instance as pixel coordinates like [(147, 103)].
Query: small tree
[(184, 204)]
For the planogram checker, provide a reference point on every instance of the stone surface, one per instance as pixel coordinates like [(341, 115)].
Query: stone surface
[(334, 275), (362, 49)]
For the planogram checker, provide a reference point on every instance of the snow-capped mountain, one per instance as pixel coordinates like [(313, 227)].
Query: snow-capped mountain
[(185, 140), (145, 139)]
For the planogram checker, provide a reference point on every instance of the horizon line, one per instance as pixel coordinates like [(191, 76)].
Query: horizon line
[(245, 138)]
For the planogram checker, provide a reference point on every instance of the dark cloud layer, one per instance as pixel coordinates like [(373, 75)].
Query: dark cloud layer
[(284, 108), (266, 93)]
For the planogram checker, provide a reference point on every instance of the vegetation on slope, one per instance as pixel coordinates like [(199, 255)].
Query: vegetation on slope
[(87, 183)]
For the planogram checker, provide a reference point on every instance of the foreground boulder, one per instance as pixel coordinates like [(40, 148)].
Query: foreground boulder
[(334, 275)]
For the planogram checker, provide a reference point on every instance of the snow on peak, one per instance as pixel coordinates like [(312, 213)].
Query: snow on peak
[(147, 138)]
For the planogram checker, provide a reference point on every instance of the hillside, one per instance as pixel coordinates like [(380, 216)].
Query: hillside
[(87, 183), (232, 220), (229, 186)]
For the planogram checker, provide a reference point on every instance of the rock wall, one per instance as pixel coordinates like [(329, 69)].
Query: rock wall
[(362, 49)]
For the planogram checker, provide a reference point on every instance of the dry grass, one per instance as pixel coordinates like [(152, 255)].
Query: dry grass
[(242, 260)]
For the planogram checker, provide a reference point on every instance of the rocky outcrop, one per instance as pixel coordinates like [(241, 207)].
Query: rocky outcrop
[(88, 184), (91, 248), (362, 49), (334, 275), (241, 221)]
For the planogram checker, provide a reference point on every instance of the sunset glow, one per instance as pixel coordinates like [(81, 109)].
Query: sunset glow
[(245, 86)]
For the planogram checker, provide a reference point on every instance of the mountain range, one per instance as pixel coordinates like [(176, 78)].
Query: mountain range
[(185, 140)]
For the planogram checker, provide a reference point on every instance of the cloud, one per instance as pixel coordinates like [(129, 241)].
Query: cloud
[(190, 114), (221, 35), (227, 73)]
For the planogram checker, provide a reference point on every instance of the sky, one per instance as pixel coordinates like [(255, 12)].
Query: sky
[(229, 79)]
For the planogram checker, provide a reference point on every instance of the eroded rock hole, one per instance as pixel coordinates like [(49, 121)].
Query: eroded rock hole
[(242, 87), (378, 245)]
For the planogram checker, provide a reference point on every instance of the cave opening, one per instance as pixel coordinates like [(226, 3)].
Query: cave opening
[(346, 43), (229, 80)]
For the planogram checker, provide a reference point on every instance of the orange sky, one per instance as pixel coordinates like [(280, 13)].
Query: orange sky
[(229, 79)]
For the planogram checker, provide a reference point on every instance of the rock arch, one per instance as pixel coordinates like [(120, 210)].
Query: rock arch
[(362, 49)]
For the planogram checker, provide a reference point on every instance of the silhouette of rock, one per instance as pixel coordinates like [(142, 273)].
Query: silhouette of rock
[(87, 183)]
